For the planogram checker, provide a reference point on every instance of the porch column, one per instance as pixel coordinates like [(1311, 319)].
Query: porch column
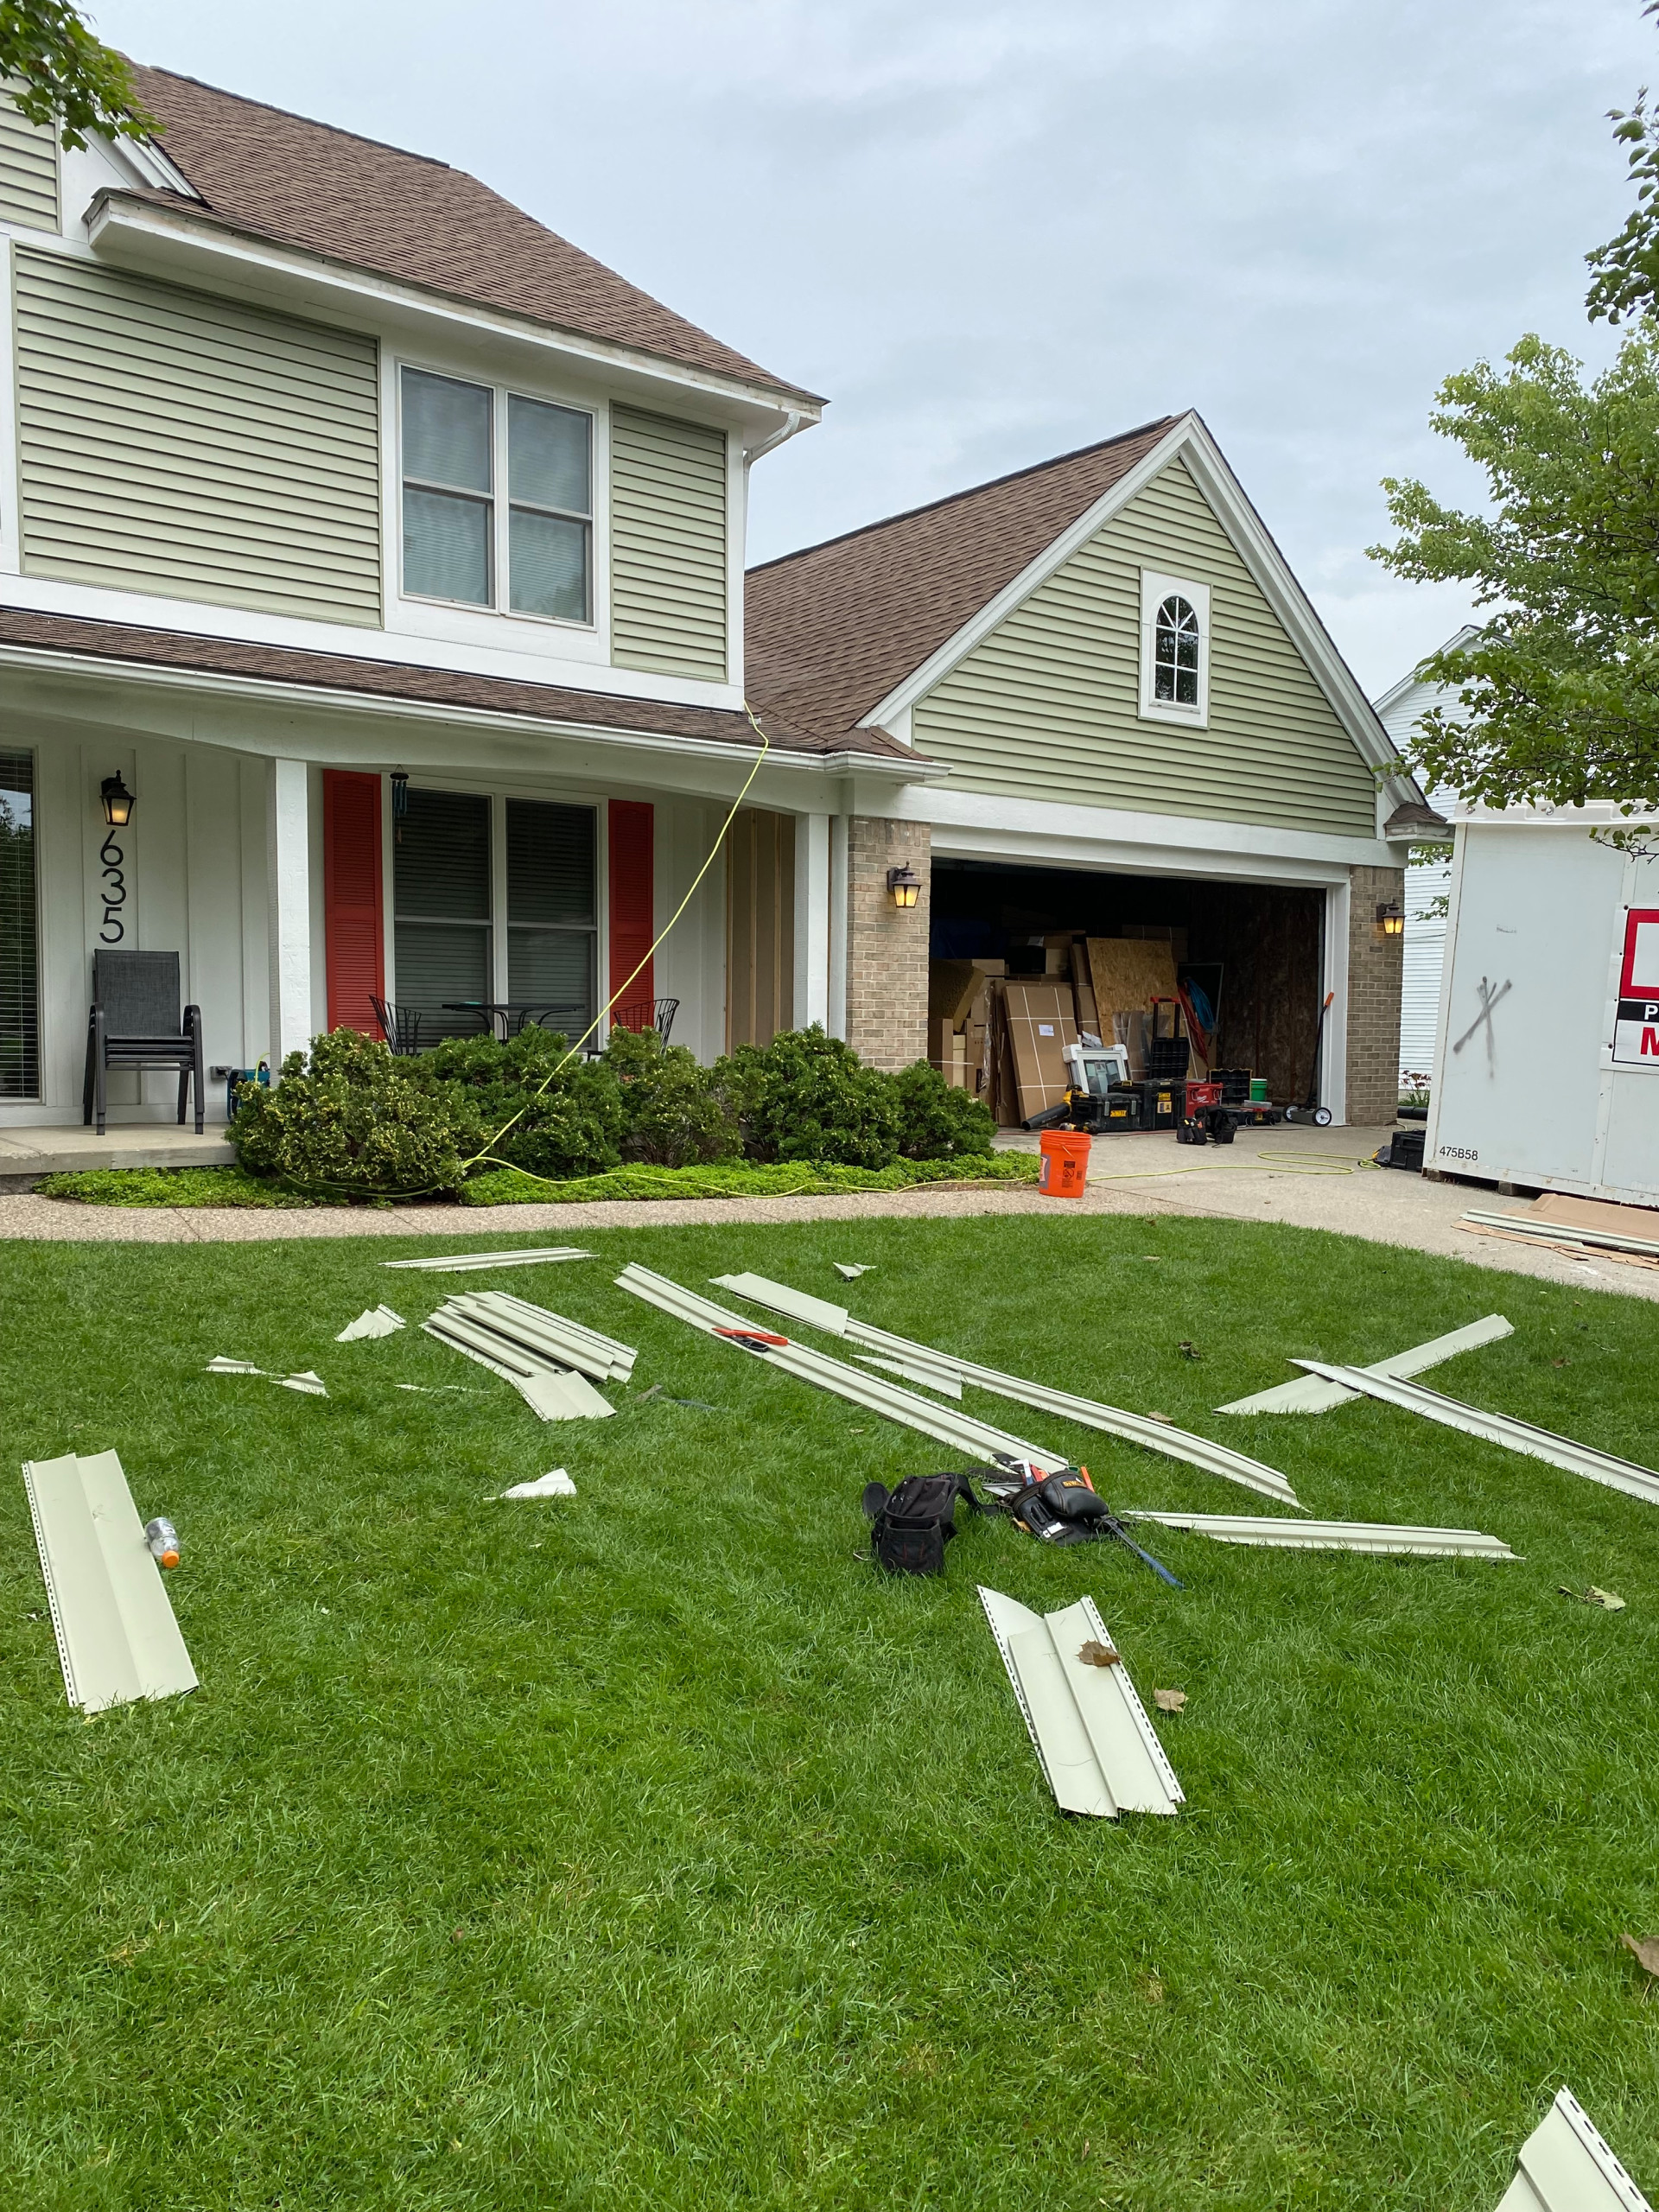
[(837, 1024), (288, 920), (887, 949), (811, 920)]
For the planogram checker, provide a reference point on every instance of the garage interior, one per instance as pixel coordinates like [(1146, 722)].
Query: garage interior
[(1257, 950)]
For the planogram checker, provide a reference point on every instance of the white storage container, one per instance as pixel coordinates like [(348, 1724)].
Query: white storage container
[(1546, 1051)]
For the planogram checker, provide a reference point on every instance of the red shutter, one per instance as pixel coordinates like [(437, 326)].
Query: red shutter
[(352, 902), (632, 850)]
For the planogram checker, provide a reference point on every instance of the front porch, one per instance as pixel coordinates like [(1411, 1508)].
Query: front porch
[(66, 1149)]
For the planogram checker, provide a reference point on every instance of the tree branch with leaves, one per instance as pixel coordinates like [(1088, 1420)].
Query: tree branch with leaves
[(62, 77)]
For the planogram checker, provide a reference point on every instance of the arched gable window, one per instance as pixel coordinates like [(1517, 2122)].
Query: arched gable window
[(1175, 652)]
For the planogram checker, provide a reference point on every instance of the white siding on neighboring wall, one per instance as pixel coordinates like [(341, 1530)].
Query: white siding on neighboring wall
[(194, 860)]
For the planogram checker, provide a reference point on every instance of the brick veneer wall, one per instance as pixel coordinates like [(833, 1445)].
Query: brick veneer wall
[(886, 950), (1375, 964)]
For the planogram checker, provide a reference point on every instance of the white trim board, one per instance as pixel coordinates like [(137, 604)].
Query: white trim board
[(118, 1640), (1099, 1753), (1312, 1393), (1189, 440)]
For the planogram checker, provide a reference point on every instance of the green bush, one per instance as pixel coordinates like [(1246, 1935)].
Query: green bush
[(674, 1115), (572, 1126), (351, 1120), (808, 1097), (935, 1120)]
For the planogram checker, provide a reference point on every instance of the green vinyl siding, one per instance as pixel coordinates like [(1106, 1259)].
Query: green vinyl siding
[(1048, 706), (29, 172), (668, 545), (174, 444)]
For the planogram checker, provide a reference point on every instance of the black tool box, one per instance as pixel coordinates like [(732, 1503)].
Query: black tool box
[(1163, 1105)]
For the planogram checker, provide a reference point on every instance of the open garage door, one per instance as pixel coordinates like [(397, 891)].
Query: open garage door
[(1249, 955)]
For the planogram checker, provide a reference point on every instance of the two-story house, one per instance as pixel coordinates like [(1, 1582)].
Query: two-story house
[(388, 550)]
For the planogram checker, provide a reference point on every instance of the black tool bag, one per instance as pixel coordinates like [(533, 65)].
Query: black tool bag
[(915, 1520)]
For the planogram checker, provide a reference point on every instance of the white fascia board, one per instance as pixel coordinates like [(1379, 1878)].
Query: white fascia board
[(986, 825), (1190, 441), (1311, 1394), (1501, 1429), (1382, 1537), (296, 700), (177, 244), (1411, 681)]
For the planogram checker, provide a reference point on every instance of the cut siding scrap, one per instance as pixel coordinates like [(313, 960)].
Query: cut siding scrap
[(1499, 1428), (1564, 2165), (1562, 1232), (942, 1370), (1098, 1751), (1333, 1535), (1312, 1393), (378, 1321), (535, 1328), (118, 1640), (960, 1431), (550, 1390), (557, 1484), (459, 1262)]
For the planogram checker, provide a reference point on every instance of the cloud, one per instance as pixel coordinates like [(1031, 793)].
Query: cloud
[(991, 231)]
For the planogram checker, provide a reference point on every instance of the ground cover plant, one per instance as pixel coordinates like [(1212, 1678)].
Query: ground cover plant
[(646, 1848)]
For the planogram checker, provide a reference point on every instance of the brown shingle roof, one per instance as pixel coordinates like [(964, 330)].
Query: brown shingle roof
[(439, 687), (306, 184), (830, 631)]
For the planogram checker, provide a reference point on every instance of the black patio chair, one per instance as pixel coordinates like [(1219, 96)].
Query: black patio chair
[(134, 1022), (646, 1013), (400, 1025)]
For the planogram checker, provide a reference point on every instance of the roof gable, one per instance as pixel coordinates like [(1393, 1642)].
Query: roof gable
[(304, 184), (829, 632)]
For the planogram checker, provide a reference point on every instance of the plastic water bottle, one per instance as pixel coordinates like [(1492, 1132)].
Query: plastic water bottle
[(163, 1540)]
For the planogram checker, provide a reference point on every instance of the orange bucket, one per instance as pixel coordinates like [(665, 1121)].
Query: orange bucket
[(1065, 1163)]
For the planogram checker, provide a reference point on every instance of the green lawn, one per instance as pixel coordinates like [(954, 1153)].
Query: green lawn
[(647, 1851)]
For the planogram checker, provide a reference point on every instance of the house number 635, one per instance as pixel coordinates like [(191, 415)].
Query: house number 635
[(114, 891)]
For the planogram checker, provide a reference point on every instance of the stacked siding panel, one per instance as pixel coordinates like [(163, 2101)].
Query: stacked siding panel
[(193, 448), (29, 172), (668, 545), (1049, 703)]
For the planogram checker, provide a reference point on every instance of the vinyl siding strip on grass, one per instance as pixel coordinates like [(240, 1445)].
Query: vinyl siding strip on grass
[(193, 447), (1047, 705), (668, 545)]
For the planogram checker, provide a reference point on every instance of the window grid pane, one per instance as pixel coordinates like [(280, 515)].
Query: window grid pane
[(1175, 654), (547, 557), (548, 457), (447, 547), (446, 432)]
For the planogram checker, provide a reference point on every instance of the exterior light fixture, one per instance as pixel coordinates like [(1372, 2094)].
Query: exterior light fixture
[(905, 886), (1390, 922), (399, 802), (118, 802)]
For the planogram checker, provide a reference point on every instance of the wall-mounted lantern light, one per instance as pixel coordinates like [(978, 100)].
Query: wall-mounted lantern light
[(399, 802), (906, 887), (118, 802), (1390, 922)]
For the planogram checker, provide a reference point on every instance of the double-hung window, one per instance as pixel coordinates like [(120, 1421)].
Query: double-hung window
[(530, 553)]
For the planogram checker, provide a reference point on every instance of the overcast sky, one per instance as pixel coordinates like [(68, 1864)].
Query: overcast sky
[(994, 229)]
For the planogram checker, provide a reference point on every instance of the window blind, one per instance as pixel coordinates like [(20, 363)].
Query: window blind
[(441, 876), (19, 1069)]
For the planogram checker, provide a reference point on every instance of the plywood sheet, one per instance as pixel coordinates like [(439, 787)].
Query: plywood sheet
[(1128, 973)]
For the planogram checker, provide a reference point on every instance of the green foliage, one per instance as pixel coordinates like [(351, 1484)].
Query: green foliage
[(674, 1114), (808, 1097), (798, 1178), (173, 1186), (1558, 693), (1626, 269), (935, 1120), (352, 1119), (66, 79), (525, 1103)]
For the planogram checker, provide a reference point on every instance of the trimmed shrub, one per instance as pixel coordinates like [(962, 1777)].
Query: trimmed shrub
[(572, 1126), (808, 1097), (350, 1119), (673, 1113), (935, 1120)]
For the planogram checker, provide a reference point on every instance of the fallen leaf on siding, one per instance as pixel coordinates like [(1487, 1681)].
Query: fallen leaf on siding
[(1098, 1654)]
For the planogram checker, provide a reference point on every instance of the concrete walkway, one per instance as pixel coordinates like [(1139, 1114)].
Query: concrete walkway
[(1311, 1179)]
